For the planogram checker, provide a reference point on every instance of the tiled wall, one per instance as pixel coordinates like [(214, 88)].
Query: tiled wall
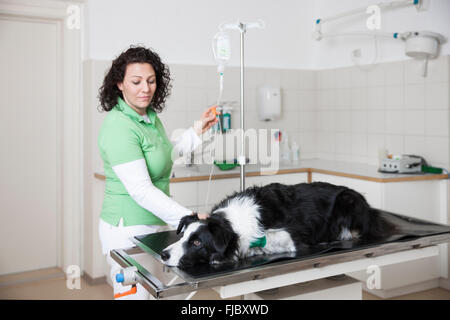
[(196, 87), (387, 106), (340, 114)]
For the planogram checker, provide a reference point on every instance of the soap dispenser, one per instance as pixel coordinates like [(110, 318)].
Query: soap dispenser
[(268, 103)]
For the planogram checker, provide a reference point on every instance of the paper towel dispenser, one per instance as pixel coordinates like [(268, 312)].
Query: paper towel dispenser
[(268, 103)]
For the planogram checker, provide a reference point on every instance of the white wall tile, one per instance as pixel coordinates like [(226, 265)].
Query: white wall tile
[(413, 72), (195, 77), (290, 99), (325, 142), (308, 80), (307, 120), (437, 96), (415, 145), (326, 79), (436, 149), (394, 73), (376, 76), (359, 121), (307, 142), (177, 99), (272, 77), (329, 99), (250, 101), (414, 122), (376, 121), (376, 98), (178, 73), (395, 97), (326, 121), (394, 143), (359, 78), (254, 78), (343, 78), (415, 96), (343, 142), (374, 143), (359, 144), (438, 70), (359, 98), (197, 99), (343, 121), (343, 98), (436, 123), (290, 79), (307, 100), (394, 120)]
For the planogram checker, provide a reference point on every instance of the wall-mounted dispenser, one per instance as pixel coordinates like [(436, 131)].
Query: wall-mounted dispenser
[(268, 103)]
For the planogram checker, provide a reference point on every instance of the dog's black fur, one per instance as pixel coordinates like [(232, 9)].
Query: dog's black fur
[(311, 213)]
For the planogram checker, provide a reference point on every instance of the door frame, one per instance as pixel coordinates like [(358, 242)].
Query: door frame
[(69, 96)]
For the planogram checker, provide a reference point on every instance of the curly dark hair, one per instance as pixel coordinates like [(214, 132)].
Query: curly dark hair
[(109, 92)]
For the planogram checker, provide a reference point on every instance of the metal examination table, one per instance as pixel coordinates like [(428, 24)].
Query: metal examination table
[(414, 239)]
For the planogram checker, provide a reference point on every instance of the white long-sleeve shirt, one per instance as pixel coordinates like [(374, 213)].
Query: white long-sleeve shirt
[(136, 180)]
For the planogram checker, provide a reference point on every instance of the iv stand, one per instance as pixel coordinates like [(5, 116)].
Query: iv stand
[(242, 159), (242, 27)]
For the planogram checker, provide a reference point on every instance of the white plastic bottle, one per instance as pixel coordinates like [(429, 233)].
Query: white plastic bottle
[(295, 152), (285, 150)]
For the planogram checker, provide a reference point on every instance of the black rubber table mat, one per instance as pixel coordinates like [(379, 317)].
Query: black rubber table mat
[(407, 229)]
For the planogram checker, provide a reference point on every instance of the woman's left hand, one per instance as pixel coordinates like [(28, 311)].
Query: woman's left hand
[(207, 120)]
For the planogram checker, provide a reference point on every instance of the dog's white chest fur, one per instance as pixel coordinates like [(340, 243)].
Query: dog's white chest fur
[(243, 214), (277, 241)]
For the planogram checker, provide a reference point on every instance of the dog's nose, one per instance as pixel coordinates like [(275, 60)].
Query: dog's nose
[(165, 255)]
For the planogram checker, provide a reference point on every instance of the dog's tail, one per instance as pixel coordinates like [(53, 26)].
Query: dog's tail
[(378, 226), (364, 219)]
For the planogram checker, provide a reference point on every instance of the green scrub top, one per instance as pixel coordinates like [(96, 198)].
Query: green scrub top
[(125, 137)]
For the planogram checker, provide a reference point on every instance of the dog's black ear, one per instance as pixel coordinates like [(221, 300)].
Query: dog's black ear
[(221, 232), (185, 221)]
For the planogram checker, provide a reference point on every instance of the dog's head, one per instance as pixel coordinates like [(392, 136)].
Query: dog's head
[(204, 241)]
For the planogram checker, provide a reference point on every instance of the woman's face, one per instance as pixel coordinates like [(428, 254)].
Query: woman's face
[(138, 86)]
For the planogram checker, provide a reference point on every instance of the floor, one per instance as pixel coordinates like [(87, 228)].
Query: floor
[(50, 284)]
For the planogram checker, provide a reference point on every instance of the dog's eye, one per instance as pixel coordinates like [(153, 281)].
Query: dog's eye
[(197, 243)]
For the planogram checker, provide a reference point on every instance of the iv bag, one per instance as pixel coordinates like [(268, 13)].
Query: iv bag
[(221, 49)]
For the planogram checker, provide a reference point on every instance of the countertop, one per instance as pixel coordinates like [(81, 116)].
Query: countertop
[(337, 168)]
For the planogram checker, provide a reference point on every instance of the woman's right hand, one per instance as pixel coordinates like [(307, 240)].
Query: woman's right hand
[(201, 216)]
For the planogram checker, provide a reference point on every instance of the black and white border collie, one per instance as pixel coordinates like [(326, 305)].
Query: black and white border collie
[(282, 218)]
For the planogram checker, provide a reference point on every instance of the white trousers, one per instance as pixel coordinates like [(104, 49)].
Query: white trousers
[(112, 237)]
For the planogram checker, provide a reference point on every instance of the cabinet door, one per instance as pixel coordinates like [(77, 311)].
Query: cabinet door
[(185, 193), (372, 191), (418, 199), (218, 190)]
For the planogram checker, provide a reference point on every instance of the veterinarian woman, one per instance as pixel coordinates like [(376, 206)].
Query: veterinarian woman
[(137, 155)]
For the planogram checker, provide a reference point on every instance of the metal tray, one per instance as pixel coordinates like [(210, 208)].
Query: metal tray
[(411, 234)]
